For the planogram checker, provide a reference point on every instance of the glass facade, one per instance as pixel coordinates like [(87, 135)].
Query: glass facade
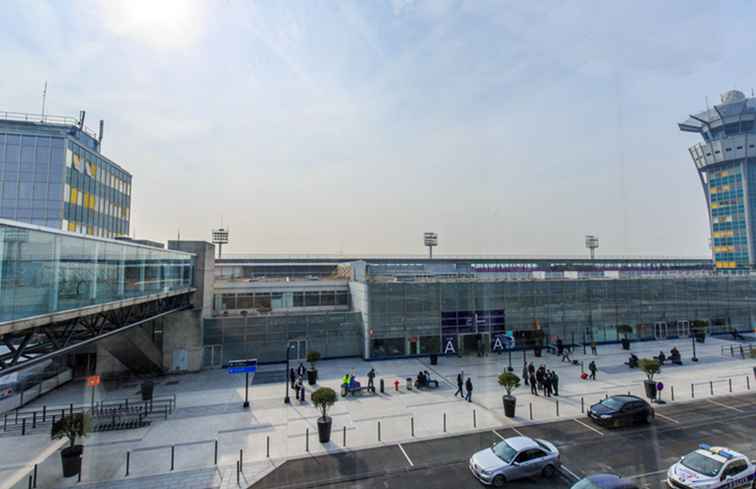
[(728, 217), (271, 301), (52, 175), (45, 271)]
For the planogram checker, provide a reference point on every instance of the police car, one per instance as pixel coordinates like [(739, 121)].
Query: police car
[(712, 468)]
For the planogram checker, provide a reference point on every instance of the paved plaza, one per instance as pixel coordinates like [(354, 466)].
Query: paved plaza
[(209, 408)]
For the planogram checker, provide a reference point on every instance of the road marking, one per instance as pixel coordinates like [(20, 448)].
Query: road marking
[(667, 418), (405, 455), (725, 406), (572, 474), (589, 427), (517, 431), (644, 475), (497, 434)]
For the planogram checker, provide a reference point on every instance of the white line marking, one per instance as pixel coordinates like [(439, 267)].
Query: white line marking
[(497, 434), (573, 474), (405, 455), (644, 475), (589, 427), (517, 431), (667, 418), (725, 406)]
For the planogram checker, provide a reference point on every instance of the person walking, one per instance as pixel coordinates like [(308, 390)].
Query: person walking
[(533, 385), (297, 385), (593, 348), (540, 373), (371, 380), (292, 377), (460, 384), (300, 383), (469, 389), (301, 369), (566, 355), (592, 367), (555, 382), (525, 374), (547, 384), (560, 346)]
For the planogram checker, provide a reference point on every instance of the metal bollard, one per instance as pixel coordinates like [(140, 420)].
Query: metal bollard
[(173, 456), (382, 387), (582, 405), (128, 460), (748, 382), (307, 440), (475, 421), (15, 421), (343, 442), (30, 481), (412, 426), (237, 472), (215, 456), (444, 422), (730, 381), (531, 411), (742, 353), (241, 460), (672, 391), (692, 391), (44, 413), (35, 476), (70, 408), (34, 419), (557, 407), (711, 387), (732, 351), (267, 446), (23, 426)]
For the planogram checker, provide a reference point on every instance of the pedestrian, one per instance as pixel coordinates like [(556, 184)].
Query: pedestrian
[(555, 382), (547, 384), (560, 346), (297, 386), (566, 355), (593, 347), (301, 369), (533, 386), (460, 384), (593, 369), (540, 376), (371, 380), (292, 377), (345, 385), (525, 375), (301, 390), (531, 368), (469, 388)]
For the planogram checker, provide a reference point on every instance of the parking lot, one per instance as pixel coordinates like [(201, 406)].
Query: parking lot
[(642, 453)]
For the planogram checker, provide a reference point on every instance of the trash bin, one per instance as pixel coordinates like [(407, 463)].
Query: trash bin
[(434, 359), (409, 383)]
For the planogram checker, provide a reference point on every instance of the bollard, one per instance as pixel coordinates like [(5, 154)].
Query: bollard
[(173, 455), (557, 407), (34, 419), (730, 381), (165, 412), (35, 475), (412, 426), (582, 405), (307, 440), (70, 408), (5, 422), (379, 431), (692, 391), (531, 411), (396, 385), (128, 460), (23, 426), (267, 446), (742, 353), (711, 387), (732, 351), (475, 421), (78, 477), (53, 424), (606, 396), (44, 413), (444, 422), (215, 456), (382, 388), (15, 421), (241, 460), (237, 472), (672, 391), (344, 438), (748, 382), (30, 481)]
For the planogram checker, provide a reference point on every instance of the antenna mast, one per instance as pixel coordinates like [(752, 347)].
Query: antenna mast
[(44, 100)]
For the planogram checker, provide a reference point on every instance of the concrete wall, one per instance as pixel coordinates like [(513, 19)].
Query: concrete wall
[(182, 332), (204, 272)]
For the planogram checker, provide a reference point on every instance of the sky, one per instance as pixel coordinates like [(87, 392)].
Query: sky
[(354, 126)]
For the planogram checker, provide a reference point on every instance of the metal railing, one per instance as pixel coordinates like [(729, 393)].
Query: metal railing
[(45, 119), (746, 350)]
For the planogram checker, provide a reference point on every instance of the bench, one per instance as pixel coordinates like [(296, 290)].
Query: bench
[(431, 384), (357, 390)]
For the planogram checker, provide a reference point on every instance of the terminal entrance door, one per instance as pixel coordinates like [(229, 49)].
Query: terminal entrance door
[(213, 356), (298, 350), (683, 329), (660, 330), (469, 344)]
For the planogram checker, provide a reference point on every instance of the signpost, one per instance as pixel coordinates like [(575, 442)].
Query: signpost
[(93, 381), (659, 388), (246, 367)]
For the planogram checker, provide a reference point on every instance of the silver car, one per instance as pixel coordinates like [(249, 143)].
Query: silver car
[(515, 458)]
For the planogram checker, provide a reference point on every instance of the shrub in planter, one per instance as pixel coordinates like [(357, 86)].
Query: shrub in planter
[(650, 367), (72, 427), (510, 382), (324, 398), (312, 372)]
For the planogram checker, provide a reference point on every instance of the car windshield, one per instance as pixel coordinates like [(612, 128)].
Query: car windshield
[(702, 464), (585, 484), (504, 451), (613, 404)]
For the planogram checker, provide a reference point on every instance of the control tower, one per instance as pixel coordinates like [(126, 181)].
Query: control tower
[(726, 165)]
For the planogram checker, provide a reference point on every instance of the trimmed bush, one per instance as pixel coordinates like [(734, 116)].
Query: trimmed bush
[(72, 427), (650, 367), (324, 398), (509, 381), (312, 358)]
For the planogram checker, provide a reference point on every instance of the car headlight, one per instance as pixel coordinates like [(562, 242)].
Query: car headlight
[(486, 472), (604, 416)]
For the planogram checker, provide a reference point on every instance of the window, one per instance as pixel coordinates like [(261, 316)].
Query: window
[(312, 299), (298, 299), (735, 468)]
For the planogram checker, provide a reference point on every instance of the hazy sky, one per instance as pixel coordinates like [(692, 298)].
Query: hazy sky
[(355, 126)]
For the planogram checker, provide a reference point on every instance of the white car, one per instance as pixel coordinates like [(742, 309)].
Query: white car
[(712, 468), (514, 458)]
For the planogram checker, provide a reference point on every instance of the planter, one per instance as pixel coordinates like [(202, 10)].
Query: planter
[(147, 388), (650, 387), (701, 338), (312, 376), (509, 405), (324, 429), (71, 458), (625, 344)]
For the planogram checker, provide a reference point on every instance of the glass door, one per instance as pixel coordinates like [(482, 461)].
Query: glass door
[(660, 330)]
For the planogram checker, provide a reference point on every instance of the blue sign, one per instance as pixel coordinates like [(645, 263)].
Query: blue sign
[(242, 366)]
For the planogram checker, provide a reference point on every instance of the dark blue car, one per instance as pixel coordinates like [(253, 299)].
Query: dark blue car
[(604, 481)]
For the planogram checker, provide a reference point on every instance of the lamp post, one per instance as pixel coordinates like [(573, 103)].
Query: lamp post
[(693, 340), (287, 400)]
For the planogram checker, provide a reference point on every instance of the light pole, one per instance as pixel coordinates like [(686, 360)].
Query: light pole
[(287, 400), (430, 240), (693, 340), (246, 374)]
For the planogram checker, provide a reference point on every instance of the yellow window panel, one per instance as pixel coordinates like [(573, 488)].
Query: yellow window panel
[(72, 227)]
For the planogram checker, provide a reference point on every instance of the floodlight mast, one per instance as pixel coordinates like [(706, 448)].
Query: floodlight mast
[(431, 240), (592, 243), (220, 237)]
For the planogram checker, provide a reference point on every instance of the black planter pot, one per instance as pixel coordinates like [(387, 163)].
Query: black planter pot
[(650, 387), (147, 389), (701, 338), (312, 376), (324, 429), (625, 344), (71, 458), (510, 402)]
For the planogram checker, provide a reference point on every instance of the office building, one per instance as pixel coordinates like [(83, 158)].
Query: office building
[(53, 174)]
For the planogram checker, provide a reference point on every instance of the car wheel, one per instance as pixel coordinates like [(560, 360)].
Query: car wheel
[(648, 418), (499, 481), (548, 471)]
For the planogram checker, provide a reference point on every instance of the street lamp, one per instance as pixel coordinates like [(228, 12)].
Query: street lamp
[(289, 347), (430, 240), (693, 340)]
